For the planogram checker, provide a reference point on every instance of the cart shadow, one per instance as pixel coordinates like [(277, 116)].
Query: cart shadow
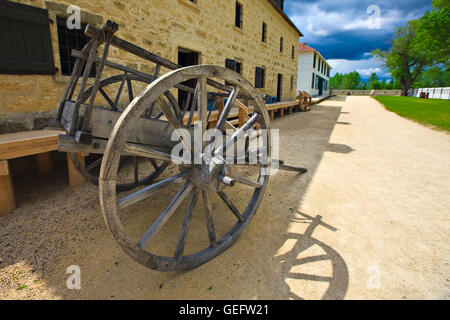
[(338, 280)]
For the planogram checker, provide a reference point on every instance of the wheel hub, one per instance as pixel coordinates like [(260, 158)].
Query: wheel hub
[(204, 178)]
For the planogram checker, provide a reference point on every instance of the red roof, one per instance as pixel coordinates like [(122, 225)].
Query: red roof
[(305, 48)]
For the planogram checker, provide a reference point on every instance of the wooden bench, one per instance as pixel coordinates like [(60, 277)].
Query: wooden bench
[(21, 144), (282, 107)]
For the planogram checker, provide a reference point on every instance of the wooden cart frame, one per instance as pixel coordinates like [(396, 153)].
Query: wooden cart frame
[(142, 131)]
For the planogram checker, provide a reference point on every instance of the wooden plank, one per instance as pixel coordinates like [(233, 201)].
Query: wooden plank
[(75, 178), (7, 199), (20, 144)]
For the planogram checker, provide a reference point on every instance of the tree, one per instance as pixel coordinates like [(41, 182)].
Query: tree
[(351, 80), (375, 85), (433, 32), (433, 77), (373, 77), (336, 81), (420, 44), (404, 60)]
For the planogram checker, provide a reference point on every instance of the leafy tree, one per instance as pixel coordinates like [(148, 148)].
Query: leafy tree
[(420, 44), (351, 80), (373, 77), (433, 32), (383, 84), (403, 60), (434, 76), (375, 85), (336, 81)]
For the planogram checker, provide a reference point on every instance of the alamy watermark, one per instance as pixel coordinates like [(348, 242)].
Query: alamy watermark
[(374, 21), (74, 18), (73, 282)]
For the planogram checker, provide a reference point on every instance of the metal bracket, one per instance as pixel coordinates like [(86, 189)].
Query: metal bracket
[(83, 137)]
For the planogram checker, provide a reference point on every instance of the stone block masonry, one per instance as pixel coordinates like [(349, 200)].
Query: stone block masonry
[(162, 27)]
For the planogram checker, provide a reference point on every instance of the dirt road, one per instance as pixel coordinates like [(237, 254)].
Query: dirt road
[(371, 219)]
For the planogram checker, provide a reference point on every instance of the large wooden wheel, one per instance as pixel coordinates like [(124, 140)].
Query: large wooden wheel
[(117, 92), (226, 205)]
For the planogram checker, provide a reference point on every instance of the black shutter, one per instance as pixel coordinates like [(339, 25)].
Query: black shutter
[(25, 37), (259, 78), (230, 64), (238, 15)]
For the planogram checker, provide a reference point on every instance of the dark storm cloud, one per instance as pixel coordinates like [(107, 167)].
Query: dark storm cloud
[(338, 29)]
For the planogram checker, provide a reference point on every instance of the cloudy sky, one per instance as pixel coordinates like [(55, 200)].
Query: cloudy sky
[(345, 33)]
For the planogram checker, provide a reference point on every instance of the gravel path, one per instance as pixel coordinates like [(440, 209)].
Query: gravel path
[(371, 219)]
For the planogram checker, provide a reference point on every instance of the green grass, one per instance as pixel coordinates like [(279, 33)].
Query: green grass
[(432, 112)]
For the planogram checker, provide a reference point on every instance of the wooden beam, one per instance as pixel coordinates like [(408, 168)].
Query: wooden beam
[(75, 178), (20, 144), (7, 199)]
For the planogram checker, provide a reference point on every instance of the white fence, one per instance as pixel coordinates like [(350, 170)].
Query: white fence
[(434, 93)]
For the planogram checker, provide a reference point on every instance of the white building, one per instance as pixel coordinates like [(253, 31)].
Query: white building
[(313, 71)]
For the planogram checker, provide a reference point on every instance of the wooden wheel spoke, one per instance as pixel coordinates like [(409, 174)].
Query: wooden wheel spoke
[(119, 92), (108, 99), (208, 216), (94, 164), (188, 99), (144, 193), (136, 169), (230, 205), (227, 108), (194, 104), (130, 90), (165, 216), (203, 107), (146, 152), (154, 164), (186, 223), (239, 132)]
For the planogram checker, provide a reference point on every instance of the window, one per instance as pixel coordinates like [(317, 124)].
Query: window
[(68, 40), (194, 1), (314, 61), (260, 77), (281, 44), (292, 82), (313, 78), (25, 37), (238, 18), (264, 32), (293, 52), (233, 65)]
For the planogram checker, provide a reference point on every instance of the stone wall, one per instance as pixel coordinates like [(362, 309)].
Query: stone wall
[(160, 27), (366, 92)]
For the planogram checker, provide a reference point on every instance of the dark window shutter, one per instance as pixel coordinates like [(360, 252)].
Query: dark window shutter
[(259, 78), (25, 38), (230, 64), (313, 78), (238, 21)]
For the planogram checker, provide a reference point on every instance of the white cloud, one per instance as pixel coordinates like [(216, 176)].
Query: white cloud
[(365, 67)]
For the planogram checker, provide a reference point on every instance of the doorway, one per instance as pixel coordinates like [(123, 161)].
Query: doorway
[(279, 87), (320, 86), (187, 58)]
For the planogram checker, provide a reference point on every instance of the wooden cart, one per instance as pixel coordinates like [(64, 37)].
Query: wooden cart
[(138, 127)]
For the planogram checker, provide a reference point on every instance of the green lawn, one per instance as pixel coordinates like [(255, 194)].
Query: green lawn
[(432, 112)]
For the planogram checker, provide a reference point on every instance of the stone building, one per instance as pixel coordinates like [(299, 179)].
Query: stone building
[(253, 37), (313, 71)]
